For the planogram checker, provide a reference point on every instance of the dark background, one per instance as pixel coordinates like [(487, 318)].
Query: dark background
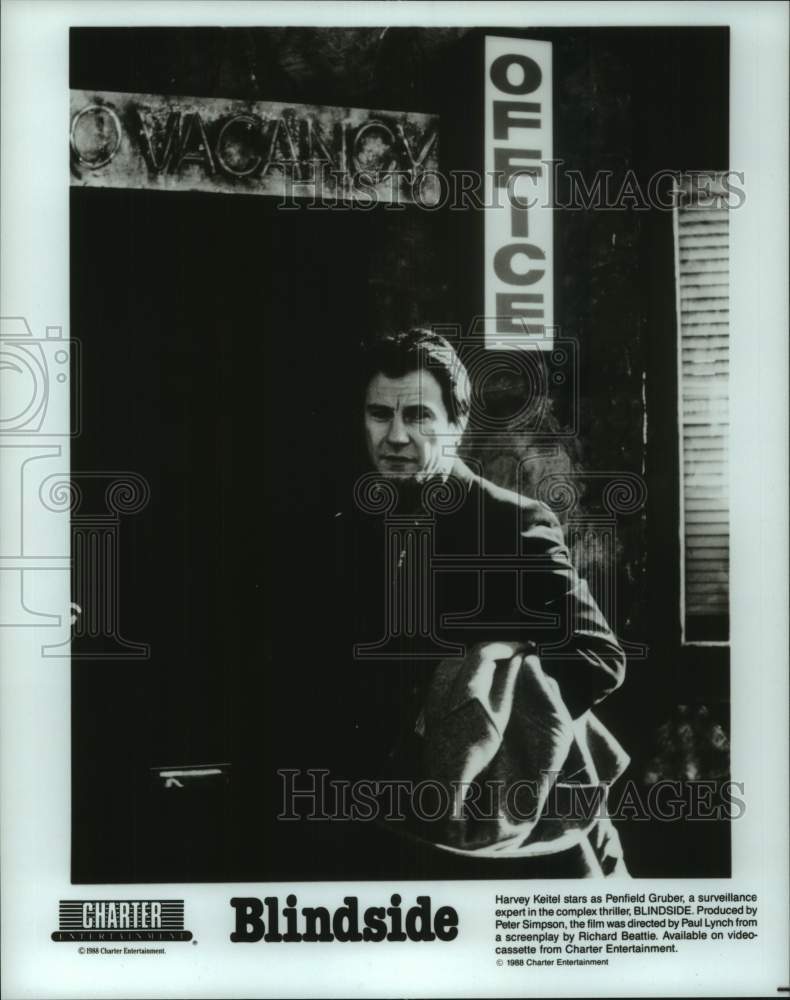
[(218, 338)]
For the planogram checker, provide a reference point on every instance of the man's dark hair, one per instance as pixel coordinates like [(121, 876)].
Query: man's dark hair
[(418, 349)]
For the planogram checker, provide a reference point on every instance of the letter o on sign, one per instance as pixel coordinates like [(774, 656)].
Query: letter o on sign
[(530, 71), (372, 148), (95, 136)]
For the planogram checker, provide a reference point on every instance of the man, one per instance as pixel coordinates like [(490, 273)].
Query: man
[(478, 650)]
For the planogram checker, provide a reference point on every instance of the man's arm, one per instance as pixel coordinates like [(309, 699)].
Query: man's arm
[(581, 652)]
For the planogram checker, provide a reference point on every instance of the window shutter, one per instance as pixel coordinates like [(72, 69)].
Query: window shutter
[(702, 261)]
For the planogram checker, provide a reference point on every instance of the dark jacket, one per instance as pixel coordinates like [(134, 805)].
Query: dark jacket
[(472, 563), (414, 587), (556, 608)]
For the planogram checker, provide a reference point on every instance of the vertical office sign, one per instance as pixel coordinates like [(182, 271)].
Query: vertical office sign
[(519, 241)]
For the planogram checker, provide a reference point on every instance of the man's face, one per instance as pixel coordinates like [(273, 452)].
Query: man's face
[(408, 430)]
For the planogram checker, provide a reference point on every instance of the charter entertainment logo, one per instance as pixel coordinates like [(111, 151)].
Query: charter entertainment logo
[(121, 920)]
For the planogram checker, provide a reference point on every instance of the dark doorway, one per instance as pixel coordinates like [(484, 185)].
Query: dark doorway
[(233, 323)]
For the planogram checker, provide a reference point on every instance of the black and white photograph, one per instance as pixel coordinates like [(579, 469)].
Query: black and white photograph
[(424, 412), (394, 451)]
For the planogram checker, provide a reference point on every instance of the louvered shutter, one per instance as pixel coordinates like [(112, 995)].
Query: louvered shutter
[(702, 262)]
